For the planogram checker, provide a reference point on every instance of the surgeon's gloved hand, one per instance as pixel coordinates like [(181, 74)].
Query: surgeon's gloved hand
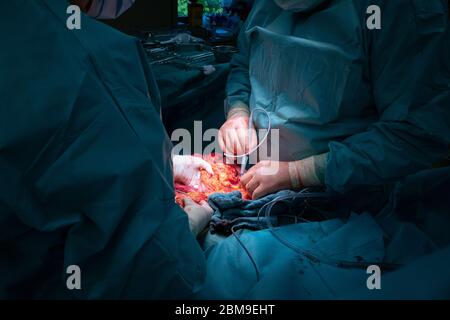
[(199, 215), (234, 134), (186, 170), (267, 177)]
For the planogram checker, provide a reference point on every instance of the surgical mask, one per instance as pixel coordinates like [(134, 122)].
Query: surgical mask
[(109, 9), (298, 5)]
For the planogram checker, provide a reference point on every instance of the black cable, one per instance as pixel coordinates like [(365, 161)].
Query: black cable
[(247, 252), (314, 258), (305, 195)]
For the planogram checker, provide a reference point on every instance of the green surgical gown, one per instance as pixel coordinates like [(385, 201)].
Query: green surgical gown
[(374, 99), (85, 167)]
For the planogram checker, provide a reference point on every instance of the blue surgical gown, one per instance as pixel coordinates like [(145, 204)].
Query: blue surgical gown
[(85, 165), (374, 99)]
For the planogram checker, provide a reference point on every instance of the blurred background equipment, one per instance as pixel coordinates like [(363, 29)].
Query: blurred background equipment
[(215, 20), (195, 13), (190, 44), (148, 15), (224, 54)]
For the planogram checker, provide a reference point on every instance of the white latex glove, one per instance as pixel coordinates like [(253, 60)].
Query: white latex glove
[(199, 215), (234, 135), (186, 170), (267, 177)]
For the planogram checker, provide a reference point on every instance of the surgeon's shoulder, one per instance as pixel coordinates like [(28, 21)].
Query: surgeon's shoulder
[(421, 9), (432, 16), (262, 11), (430, 6), (422, 17)]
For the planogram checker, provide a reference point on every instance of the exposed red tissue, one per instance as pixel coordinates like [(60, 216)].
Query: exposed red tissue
[(226, 179)]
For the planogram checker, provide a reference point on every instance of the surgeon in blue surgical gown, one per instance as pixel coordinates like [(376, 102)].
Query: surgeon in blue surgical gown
[(339, 93), (356, 109), (86, 177)]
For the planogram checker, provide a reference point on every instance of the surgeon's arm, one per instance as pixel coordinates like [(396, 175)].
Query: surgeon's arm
[(234, 137), (402, 53), (309, 172), (238, 85), (199, 215)]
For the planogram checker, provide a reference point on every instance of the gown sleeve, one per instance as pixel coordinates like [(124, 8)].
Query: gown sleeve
[(410, 76)]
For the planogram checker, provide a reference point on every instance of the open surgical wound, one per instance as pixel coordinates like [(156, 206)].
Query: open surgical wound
[(226, 179)]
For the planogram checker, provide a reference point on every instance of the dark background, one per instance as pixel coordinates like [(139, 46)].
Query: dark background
[(148, 15)]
